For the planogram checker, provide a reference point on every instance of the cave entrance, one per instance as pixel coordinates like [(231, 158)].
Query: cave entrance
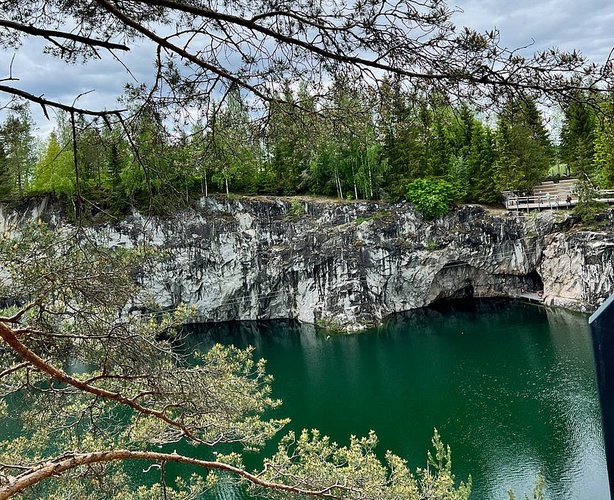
[(454, 281), (532, 282)]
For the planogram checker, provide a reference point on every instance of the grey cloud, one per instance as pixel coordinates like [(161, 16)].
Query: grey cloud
[(567, 24), (102, 80)]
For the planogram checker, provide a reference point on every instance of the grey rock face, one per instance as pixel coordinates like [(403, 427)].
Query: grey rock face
[(349, 265)]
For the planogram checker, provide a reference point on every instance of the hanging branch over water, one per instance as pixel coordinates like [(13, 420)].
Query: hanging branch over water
[(132, 388), (72, 460)]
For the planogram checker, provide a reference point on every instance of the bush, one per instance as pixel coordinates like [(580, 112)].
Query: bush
[(589, 210), (431, 197)]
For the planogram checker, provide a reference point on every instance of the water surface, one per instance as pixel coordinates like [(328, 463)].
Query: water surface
[(510, 387)]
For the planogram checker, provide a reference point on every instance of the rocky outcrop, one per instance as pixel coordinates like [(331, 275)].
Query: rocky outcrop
[(578, 269), (349, 265)]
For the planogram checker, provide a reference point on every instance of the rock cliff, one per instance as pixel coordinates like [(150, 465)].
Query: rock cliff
[(349, 265)]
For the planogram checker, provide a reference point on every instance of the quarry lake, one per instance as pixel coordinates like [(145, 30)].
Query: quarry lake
[(509, 386)]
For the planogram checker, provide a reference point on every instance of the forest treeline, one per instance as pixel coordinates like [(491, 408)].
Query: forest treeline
[(353, 145)]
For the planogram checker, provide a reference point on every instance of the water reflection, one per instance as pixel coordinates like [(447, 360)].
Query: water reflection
[(510, 387)]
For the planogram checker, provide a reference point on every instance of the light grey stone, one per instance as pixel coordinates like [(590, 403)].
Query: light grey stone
[(349, 265)]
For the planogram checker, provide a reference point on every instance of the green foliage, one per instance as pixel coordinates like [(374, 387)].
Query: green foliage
[(538, 489), (578, 136), (55, 170), (314, 462), (360, 220), (380, 215), (588, 208), (604, 145), (437, 480), (481, 164), (431, 197), (524, 149), (5, 175), (341, 148), (292, 135), (297, 210), (329, 325), (604, 159), (75, 291), (115, 384), (18, 146), (234, 152)]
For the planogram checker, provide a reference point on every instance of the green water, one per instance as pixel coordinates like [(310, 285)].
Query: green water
[(510, 387)]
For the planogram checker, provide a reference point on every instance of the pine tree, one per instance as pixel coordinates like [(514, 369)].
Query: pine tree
[(481, 161)]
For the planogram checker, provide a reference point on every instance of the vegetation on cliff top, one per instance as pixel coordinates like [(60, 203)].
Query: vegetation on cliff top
[(367, 155), (298, 98)]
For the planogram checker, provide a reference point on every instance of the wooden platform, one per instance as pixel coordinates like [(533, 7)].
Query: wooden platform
[(552, 196)]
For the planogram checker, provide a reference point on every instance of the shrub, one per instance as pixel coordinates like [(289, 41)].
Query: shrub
[(431, 197)]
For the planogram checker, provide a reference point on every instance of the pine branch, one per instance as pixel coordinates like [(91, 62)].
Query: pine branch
[(16, 484), (32, 30)]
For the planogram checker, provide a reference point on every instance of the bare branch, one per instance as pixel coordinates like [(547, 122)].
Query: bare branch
[(259, 47), (32, 30), (44, 103), (178, 50)]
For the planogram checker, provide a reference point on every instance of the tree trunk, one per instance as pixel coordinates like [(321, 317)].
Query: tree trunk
[(338, 184)]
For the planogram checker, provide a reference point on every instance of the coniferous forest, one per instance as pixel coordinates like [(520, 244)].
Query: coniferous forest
[(350, 146)]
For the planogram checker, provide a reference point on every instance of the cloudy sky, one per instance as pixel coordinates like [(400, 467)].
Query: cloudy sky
[(568, 24), (585, 25)]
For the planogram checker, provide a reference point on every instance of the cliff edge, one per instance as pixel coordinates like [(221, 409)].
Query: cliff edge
[(347, 266)]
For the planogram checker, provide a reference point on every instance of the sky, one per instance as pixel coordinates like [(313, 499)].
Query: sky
[(584, 25)]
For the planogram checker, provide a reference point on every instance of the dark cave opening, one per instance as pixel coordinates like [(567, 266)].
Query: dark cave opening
[(532, 282)]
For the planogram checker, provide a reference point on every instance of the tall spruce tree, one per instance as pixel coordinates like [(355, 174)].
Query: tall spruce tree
[(481, 165), (578, 138), (524, 150), (604, 145)]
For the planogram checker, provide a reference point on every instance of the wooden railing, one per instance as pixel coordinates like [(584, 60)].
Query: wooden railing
[(542, 202), (552, 202)]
